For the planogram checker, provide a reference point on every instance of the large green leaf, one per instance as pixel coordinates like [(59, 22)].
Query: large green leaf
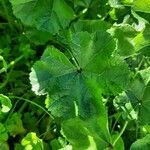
[(47, 15), (92, 65), (141, 144)]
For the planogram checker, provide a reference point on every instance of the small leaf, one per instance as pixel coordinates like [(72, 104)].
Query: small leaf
[(31, 141), (5, 104)]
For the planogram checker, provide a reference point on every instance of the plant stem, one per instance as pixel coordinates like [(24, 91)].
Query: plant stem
[(21, 109), (12, 63), (120, 134), (139, 66), (115, 122), (33, 103)]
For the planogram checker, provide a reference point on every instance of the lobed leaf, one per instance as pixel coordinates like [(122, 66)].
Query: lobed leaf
[(48, 15)]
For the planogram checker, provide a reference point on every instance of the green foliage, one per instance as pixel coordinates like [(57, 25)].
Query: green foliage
[(85, 135), (143, 6), (32, 142), (141, 144), (14, 125), (76, 74), (83, 47), (48, 16), (3, 133), (5, 104)]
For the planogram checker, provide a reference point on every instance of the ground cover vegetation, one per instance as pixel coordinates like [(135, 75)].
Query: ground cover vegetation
[(74, 74)]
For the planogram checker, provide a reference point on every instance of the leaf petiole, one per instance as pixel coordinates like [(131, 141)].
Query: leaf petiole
[(120, 134)]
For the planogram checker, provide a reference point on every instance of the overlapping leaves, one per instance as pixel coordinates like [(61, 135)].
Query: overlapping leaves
[(135, 102)]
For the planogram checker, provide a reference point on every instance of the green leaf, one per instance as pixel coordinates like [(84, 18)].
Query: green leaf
[(3, 133), (142, 40), (95, 48), (55, 144), (61, 107), (124, 35), (31, 141), (142, 6), (81, 136), (91, 63), (49, 16), (14, 125), (76, 135), (97, 61), (5, 104), (49, 73), (141, 144), (145, 74)]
